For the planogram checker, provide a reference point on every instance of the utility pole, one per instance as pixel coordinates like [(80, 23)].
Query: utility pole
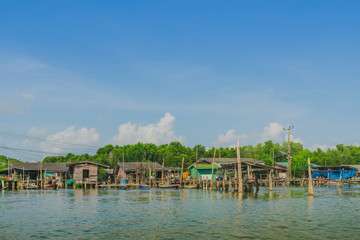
[(288, 171)]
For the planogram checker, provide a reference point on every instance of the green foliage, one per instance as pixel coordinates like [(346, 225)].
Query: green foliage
[(102, 174), (173, 153), (4, 162)]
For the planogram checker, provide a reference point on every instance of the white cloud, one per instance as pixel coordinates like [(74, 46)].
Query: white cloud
[(83, 136), (11, 108), (157, 133), (28, 96), (274, 131), (37, 132), (295, 140), (323, 147), (230, 138)]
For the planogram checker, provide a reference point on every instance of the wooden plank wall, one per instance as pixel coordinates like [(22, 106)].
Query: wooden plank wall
[(78, 172)]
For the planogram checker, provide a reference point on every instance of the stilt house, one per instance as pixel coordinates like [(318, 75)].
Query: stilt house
[(85, 171)]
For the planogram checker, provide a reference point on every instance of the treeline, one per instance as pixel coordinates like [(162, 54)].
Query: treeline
[(4, 161), (173, 153)]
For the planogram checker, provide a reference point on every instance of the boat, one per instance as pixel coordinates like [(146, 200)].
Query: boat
[(49, 186), (190, 186), (173, 186)]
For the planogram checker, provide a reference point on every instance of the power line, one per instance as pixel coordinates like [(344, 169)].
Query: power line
[(63, 144), (29, 150)]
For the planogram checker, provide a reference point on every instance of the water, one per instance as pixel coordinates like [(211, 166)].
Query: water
[(287, 213)]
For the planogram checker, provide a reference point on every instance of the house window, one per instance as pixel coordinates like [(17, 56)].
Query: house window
[(86, 173)]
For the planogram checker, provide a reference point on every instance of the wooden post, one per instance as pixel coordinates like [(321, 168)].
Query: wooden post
[(288, 172), (137, 172), (240, 188), (167, 178), (41, 176), (150, 177), (311, 190), (270, 180), (223, 183), (23, 178), (45, 177), (212, 169), (162, 172), (182, 170), (8, 168), (196, 169), (27, 184), (230, 184), (206, 184)]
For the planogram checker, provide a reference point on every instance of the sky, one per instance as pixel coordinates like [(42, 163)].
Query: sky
[(77, 75)]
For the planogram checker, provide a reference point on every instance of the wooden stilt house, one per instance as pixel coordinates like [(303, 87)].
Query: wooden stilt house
[(85, 171)]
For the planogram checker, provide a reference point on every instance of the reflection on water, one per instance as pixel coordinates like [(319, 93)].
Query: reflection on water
[(284, 213)]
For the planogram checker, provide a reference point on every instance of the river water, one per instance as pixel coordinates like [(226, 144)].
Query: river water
[(287, 213)]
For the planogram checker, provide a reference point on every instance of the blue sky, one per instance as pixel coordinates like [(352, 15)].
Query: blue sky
[(201, 72)]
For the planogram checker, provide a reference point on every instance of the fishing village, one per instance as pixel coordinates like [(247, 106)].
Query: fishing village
[(179, 120), (221, 174)]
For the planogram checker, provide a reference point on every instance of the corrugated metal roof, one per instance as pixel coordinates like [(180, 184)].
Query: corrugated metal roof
[(231, 160), (285, 164), (61, 167), (131, 166), (205, 166), (88, 162), (357, 167)]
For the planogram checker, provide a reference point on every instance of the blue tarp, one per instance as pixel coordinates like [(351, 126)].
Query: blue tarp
[(345, 174)]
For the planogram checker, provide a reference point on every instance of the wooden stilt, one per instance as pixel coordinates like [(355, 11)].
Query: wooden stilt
[(41, 176), (181, 175), (137, 172), (150, 178), (311, 190), (270, 180), (240, 187), (162, 172), (212, 169), (223, 183), (230, 184), (197, 179)]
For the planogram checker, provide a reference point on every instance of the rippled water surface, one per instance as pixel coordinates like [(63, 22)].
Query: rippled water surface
[(287, 213)]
